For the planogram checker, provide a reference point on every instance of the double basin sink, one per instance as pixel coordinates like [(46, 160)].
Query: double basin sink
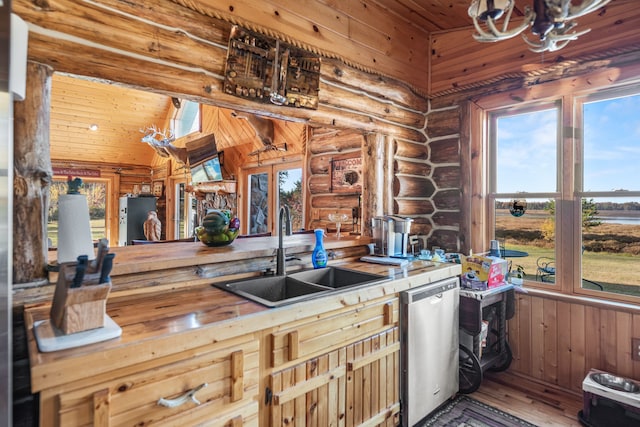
[(274, 291)]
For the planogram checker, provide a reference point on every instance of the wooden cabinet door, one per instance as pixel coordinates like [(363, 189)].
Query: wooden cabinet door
[(310, 393), (373, 380), (357, 385)]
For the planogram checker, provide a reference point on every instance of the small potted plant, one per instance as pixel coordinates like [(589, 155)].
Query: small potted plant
[(517, 276)]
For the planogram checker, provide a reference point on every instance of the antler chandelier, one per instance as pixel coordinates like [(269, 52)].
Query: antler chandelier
[(550, 20)]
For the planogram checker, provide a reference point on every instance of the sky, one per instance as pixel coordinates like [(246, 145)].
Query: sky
[(527, 148)]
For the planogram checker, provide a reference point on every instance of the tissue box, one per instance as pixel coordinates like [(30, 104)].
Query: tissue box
[(483, 272)]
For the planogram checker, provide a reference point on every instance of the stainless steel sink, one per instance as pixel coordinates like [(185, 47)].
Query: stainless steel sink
[(337, 277), (274, 291)]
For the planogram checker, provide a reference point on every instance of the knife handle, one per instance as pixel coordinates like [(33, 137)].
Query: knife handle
[(81, 267), (107, 264)]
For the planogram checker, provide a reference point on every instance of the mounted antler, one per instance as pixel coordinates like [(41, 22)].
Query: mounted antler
[(550, 20), (163, 145)]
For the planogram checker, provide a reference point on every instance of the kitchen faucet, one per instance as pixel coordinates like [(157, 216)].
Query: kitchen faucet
[(285, 214)]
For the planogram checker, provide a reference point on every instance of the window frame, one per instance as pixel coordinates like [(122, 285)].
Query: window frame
[(481, 201), (273, 170)]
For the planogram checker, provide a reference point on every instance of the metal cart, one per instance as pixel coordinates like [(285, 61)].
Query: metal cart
[(495, 306)]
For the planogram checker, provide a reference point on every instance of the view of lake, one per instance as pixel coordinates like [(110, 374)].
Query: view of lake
[(620, 220)]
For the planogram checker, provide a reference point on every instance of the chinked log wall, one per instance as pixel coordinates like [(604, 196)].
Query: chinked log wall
[(175, 50)]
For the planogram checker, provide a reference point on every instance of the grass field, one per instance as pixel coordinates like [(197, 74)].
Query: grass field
[(611, 257), (97, 231)]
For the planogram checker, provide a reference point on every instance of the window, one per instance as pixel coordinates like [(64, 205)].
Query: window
[(523, 185), (185, 212), (610, 190), (186, 118), (96, 194), (562, 190)]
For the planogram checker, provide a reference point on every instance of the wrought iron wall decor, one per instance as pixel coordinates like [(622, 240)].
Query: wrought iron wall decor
[(267, 70)]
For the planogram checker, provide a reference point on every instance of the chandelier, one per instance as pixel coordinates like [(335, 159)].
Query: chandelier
[(550, 20)]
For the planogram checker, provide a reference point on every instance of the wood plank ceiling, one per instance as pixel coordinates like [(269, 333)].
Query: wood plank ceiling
[(120, 112)]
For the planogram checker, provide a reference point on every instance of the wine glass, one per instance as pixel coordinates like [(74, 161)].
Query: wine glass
[(338, 219)]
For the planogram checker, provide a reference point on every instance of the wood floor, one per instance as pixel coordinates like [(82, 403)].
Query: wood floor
[(533, 402)]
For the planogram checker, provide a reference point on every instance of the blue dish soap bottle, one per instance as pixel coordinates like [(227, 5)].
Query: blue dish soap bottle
[(319, 256)]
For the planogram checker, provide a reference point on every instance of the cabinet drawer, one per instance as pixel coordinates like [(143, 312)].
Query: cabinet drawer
[(300, 340), (222, 378)]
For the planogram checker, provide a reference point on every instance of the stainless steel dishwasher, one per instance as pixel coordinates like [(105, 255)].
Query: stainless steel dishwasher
[(428, 348)]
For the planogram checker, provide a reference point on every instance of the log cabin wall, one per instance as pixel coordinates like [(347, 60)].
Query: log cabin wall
[(179, 51), (323, 146), (555, 338)]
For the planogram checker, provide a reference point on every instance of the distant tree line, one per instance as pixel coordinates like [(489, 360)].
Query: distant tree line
[(95, 193), (601, 206)]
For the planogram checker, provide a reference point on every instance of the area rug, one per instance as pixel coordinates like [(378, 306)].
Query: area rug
[(464, 411)]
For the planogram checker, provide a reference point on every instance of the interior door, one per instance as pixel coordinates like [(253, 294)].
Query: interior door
[(181, 211), (268, 188)]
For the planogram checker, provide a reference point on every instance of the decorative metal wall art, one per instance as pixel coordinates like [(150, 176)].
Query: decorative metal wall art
[(268, 70)]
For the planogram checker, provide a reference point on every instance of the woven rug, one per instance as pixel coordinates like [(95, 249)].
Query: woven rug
[(464, 411)]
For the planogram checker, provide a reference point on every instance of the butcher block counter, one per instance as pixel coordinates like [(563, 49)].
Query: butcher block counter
[(197, 354)]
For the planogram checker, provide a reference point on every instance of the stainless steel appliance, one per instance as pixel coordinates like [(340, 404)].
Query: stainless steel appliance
[(133, 213), (6, 214), (391, 234), (428, 348)]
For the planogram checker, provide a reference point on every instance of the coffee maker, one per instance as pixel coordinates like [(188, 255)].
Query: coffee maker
[(391, 235)]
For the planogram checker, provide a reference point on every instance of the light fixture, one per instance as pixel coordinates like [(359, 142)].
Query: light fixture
[(550, 20), (93, 127)]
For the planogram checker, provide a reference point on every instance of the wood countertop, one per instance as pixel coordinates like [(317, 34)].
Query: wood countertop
[(180, 320)]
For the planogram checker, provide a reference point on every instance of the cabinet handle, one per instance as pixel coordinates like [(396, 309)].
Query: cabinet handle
[(188, 396)]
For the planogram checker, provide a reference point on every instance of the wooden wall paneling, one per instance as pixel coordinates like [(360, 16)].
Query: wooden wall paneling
[(427, 14), (624, 364), (577, 346), (458, 61), (333, 30), (558, 341), (593, 332), (513, 334), (118, 111), (537, 338), (197, 75), (635, 333), (550, 341), (563, 320), (608, 339)]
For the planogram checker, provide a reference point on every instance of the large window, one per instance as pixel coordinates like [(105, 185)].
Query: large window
[(96, 194), (609, 184), (563, 193)]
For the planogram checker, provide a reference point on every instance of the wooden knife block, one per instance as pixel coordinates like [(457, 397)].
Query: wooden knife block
[(82, 308)]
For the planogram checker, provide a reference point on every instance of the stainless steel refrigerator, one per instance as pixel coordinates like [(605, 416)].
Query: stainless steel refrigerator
[(6, 217), (133, 213)]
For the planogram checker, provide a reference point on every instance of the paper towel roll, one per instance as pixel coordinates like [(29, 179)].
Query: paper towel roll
[(18, 62), (74, 228)]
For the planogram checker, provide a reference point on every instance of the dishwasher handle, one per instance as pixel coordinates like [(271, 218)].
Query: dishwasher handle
[(416, 294)]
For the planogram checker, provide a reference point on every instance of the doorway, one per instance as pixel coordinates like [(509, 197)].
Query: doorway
[(268, 188)]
